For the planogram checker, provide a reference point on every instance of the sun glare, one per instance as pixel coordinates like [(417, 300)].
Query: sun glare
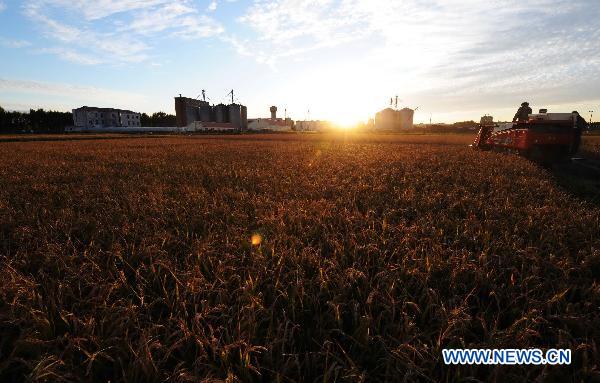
[(344, 124), (346, 118)]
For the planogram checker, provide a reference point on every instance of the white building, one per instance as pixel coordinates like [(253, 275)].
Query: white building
[(88, 117), (274, 125), (313, 126)]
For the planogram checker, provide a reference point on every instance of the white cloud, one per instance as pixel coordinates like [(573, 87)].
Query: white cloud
[(72, 56), (2, 6), (67, 96), (11, 43), (111, 31), (291, 27), (442, 52), (424, 28), (178, 19), (99, 9), (212, 6)]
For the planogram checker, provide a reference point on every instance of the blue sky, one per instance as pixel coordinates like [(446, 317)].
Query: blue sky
[(319, 59)]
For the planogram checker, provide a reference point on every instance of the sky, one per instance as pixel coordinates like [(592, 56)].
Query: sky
[(318, 59)]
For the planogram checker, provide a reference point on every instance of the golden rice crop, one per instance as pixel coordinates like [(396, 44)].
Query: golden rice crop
[(591, 146), (288, 258)]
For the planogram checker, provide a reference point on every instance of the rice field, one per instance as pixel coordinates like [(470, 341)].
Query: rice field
[(289, 258), (591, 146)]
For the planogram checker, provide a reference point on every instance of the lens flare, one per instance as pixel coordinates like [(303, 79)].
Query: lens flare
[(256, 239)]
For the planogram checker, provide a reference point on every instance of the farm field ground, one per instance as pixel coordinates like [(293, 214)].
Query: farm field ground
[(291, 258)]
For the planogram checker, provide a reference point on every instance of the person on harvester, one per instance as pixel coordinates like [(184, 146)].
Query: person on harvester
[(580, 126), (523, 113)]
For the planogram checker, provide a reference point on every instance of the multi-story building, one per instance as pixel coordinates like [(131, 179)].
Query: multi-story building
[(88, 117)]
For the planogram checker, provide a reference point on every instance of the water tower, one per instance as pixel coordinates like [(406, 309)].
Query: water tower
[(273, 112)]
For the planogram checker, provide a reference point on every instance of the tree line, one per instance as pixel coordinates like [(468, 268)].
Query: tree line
[(158, 119), (34, 121)]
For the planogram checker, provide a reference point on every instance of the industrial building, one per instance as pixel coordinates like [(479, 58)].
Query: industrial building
[(200, 115), (88, 117), (313, 126), (273, 123), (392, 119)]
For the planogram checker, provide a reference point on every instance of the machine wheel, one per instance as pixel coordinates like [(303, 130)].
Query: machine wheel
[(576, 143), (536, 154)]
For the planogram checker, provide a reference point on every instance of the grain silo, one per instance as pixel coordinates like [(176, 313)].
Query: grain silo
[(235, 115), (391, 119), (206, 117), (187, 110), (221, 113), (205, 112), (406, 118), (244, 117)]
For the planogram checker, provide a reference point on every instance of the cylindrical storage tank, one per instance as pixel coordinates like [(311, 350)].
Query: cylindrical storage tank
[(221, 113), (180, 111), (213, 113), (273, 112), (204, 112), (226, 116), (235, 116), (244, 118), (406, 118), (192, 113)]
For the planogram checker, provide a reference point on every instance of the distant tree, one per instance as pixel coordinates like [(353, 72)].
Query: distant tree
[(36, 121), (466, 124), (145, 120), (163, 119), (158, 119)]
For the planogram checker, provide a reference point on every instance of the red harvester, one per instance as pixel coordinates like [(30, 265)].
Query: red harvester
[(544, 137)]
